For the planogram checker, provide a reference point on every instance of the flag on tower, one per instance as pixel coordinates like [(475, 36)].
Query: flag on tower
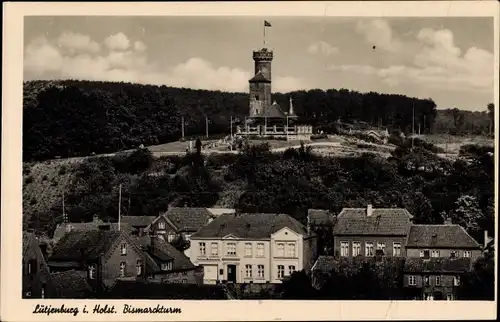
[(267, 23)]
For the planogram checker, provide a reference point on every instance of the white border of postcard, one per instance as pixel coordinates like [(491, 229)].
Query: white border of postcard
[(13, 308)]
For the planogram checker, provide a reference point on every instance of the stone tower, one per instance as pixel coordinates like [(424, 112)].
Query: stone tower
[(260, 84)]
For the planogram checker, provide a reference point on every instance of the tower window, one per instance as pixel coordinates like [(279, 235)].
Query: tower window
[(257, 97)]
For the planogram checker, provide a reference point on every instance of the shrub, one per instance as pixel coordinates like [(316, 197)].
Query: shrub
[(319, 136), (44, 178), (62, 170), (28, 180)]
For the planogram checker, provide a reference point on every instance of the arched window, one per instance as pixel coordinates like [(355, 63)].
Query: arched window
[(92, 271)]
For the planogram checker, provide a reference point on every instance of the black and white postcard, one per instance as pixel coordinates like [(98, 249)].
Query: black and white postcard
[(249, 161)]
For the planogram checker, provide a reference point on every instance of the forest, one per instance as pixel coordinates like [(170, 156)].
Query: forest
[(78, 118)]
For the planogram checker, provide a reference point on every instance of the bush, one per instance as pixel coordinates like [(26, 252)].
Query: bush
[(44, 178), (136, 162), (319, 136), (475, 150), (28, 180), (62, 170)]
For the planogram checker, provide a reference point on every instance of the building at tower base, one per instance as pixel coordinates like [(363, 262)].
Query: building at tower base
[(266, 119)]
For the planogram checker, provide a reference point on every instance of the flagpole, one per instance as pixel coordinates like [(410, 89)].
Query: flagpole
[(264, 33), (119, 206)]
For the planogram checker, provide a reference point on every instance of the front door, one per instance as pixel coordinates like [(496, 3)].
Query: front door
[(231, 273)]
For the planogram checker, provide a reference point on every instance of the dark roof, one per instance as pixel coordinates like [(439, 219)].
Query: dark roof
[(137, 221), (144, 290), (319, 217), (162, 252), (440, 236), (61, 229), (70, 284), (383, 221), (259, 77), (437, 265), (27, 239), (188, 219), (258, 226), (274, 110), (88, 244)]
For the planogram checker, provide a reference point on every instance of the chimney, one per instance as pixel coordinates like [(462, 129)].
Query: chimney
[(369, 210), (448, 221)]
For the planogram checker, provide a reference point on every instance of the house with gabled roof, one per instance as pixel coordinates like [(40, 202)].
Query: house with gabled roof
[(102, 255), (434, 278), (441, 241), (371, 231), (180, 223), (36, 274), (166, 264), (252, 248)]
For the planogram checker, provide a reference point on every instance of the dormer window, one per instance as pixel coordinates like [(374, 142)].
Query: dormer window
[(161, 225), (166, 266), (425, 254), (92, 270), (124, 249), (122, 269)]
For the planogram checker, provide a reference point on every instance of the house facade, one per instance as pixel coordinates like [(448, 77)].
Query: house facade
[(166, 264), (36, 273), (371, 231), (434, 278), (104, 256), (179, 223), (441, 241), (252, 248)]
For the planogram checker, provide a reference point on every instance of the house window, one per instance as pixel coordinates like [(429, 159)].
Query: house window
[(438, 280), (344, 249), (184, 281), (381, 246), (424, 253), (291, 249), (139, 267), (427, 281), (260, 250), (161, 225), (170, 238), (456, 281), (124, 249), (248, 249), (43, 291), (412, 280), (435, 253), (231, 249), (281, 271), (291, 269), (369, 249), (467, 253), (92, 271), (450, 297), (122, 269), (215, 249), (356, 248), (187, 236), (396, 249), (248, 271), (166, 266), (202, 249), (454, 254), (281, 250), (260, 271)]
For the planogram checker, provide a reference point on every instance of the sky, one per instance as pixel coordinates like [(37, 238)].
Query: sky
[(447, 59)]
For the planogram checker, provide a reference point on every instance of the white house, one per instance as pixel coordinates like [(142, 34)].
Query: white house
[(252, 248)]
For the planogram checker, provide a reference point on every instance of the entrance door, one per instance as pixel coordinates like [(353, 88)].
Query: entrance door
[(231, 273)]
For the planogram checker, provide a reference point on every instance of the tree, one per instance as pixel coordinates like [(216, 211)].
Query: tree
[(467, 213), (479, 284), (491, 114)]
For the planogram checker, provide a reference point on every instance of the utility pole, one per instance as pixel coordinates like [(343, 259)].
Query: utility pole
[(119, 207), (413, 123), (206, 125), (182, 127), (231, 130)]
